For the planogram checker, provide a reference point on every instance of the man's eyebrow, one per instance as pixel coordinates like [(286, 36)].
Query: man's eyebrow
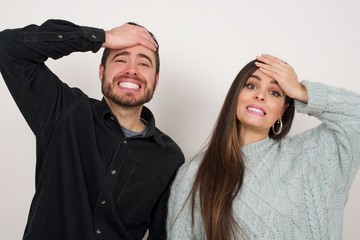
[(259, 78), (146, 57), (126, 53)]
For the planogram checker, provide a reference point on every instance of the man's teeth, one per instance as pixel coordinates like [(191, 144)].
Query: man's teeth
[(129, 85), (256, 110)]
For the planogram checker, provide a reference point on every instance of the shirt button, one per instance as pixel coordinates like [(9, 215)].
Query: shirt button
[(103, 202), (60, 36), (125, 142), (113, 172), (98, 231), (93, 36)]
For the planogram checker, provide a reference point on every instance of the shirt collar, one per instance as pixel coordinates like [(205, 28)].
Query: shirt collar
[(104, 111)]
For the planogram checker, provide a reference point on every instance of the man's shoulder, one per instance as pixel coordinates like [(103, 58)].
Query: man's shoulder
[(165, 138), (172, 148)]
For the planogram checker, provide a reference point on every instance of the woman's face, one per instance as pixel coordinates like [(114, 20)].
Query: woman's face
[(260, 103)]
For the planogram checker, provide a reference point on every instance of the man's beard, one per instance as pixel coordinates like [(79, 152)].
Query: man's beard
[(128, 100)]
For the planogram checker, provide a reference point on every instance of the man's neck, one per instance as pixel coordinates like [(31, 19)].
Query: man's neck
[(128, 117)]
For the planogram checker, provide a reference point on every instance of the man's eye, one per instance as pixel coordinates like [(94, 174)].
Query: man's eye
[(120, 60), (144, 64)]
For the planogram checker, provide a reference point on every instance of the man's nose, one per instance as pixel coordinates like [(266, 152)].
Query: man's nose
[(131, 69)]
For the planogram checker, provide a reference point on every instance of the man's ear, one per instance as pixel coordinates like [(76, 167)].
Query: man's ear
[(157, 76), (101, 72)]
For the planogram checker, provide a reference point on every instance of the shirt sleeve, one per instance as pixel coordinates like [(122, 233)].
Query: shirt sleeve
[(335, 143), (40, 95), (157, 228)]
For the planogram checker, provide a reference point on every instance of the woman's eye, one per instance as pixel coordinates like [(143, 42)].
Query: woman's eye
[(250, 86), (275, 93)]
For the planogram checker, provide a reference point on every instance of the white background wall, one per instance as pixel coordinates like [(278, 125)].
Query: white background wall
[(203, 45)]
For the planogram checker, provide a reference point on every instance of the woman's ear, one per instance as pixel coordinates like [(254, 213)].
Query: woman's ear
[(284, 108)]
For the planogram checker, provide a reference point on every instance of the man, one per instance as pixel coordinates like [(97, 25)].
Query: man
[(103, 169)]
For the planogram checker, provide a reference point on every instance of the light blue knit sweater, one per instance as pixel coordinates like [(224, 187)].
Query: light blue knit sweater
[(294, 188)]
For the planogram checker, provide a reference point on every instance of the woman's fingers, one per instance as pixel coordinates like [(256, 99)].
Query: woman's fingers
[(284, 74)]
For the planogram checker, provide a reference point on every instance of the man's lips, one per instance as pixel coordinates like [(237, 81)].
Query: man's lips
[(129, 82), (130, 85)]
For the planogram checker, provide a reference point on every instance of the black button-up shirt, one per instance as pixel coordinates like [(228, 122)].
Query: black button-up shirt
[(91, 181)]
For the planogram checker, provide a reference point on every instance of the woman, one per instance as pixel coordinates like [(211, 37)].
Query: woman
[(252, 182)]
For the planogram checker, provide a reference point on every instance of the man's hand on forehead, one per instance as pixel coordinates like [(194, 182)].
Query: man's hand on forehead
[(128, 35)]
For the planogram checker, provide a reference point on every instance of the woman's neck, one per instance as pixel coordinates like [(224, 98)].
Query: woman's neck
[(248, 136)]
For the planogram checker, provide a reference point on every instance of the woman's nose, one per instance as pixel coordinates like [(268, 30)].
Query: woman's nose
[(259, 97)]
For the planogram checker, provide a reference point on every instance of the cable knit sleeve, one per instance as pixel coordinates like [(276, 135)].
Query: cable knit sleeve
[(336, 142)]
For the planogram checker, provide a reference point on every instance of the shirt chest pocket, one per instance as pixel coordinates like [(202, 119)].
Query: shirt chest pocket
[(138, 196)]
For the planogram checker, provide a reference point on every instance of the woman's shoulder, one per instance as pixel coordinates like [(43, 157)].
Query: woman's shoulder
[(189, 169), (185, 177), (182, 186)]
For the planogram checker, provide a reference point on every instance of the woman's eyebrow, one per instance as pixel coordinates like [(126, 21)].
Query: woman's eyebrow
[(259, 79), (256, 77)]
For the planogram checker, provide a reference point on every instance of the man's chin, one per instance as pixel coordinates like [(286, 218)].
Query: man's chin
[(130, 103), (128, 100)]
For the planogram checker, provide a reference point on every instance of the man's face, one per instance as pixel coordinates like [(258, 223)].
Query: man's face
[(129, 78)]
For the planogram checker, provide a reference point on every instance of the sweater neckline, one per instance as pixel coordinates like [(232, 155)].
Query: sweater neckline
[(258, 148)]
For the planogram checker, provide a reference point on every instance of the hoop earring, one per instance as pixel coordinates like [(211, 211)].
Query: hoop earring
[(278, 131)]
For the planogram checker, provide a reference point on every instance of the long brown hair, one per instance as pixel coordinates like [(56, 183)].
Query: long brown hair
[(221, 172)]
